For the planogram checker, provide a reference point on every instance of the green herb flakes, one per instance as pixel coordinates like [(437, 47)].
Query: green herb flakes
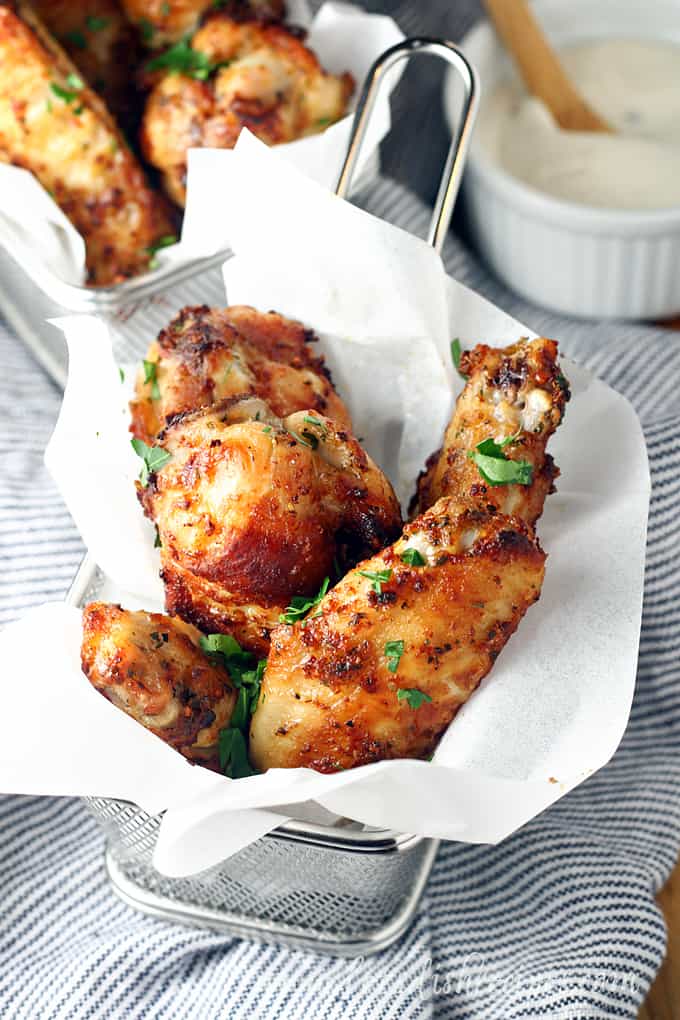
[(378, 578), (412, 696), (151, 376), (497, 469), (96, 24), (182, 59), (246, 676), (77, 39), (412, 558), (300, 606), (162, 242), (393, 652), (153, 457)]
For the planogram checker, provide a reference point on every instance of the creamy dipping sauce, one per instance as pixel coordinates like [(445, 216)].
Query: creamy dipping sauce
[(635, 86)]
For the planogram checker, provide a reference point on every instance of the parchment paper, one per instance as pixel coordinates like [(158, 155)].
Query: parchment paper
[(556, 703)]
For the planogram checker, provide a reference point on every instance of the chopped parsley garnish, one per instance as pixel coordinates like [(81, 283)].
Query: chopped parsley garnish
[(456, 351), (121, 373), (154, 458), (378, 578), (70, 94), (323, 121), (77, 39), (233, 753), (157, 544), (267, 429), (394, 651), (319, 424), (165, 9), (151, 376), (162, 242), (246, 675), (147, 30), (96, 24), (497, 469), (182, 59), (300, 606), (413, 696), (305, 438), (412, 558)]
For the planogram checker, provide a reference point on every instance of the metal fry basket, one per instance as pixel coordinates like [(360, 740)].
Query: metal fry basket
[(341, 889)]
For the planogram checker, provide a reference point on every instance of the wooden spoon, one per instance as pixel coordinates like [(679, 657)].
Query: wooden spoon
[(540, 66)]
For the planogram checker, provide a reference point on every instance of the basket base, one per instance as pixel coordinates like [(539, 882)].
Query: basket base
[(258, 929)]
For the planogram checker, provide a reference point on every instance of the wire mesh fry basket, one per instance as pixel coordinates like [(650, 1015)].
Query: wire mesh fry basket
[(341, 889)]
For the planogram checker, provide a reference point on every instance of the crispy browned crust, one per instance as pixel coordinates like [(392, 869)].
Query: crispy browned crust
[(152, 668), (206, 355), (103, 45), (250, 515), (75, 150), (282, 95), (517, 390), (162, 22), (329, 700)]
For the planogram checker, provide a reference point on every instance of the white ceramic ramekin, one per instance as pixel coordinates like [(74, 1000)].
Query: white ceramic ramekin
[(584, 261)]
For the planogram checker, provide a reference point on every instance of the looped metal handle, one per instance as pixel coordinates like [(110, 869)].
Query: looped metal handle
[(455, 161)]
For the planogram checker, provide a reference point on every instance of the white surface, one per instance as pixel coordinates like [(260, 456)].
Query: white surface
[(576, 259), (556, 703)]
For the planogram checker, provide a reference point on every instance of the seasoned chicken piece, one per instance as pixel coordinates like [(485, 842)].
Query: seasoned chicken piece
[(516, 396), (102, 44), (167, 21), (253, 510), (53, 125), (392, 652), (206, 355), (153, 668), (236, 74)]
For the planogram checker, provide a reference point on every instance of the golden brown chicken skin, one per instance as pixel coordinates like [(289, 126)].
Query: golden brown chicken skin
[(254, 75), (153, 669), (517, 391), (167, 21), (206, 355), (53, 125), (102, 44), (383, 668), (253, 510)]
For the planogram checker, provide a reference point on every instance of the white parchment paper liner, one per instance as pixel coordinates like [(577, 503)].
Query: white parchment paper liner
[(556, 703), (344, 38)]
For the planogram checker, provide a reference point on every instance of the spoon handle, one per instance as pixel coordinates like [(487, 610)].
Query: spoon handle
[(540, 66)]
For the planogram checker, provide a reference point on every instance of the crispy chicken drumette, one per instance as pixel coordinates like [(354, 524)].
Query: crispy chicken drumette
[(516, 396), (246, 74), (102, 44), (210, 354), (253, 510), (169, 21), (400, 643), (153, 668), (54, 125)]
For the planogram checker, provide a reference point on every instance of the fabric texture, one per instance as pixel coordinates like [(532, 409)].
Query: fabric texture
[(558, 922)]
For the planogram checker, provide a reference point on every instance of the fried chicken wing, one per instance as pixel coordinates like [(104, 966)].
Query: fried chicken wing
[(253, 510), (519, 392), (394, 650), (153, 669), (167, 21), (102, 44), (246, 74), (206, 355), (52, 124)]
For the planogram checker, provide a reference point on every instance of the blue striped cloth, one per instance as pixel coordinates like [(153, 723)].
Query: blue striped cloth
[(559, 922)]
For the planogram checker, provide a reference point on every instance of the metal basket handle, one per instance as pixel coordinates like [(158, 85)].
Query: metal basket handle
[(455, 160)]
